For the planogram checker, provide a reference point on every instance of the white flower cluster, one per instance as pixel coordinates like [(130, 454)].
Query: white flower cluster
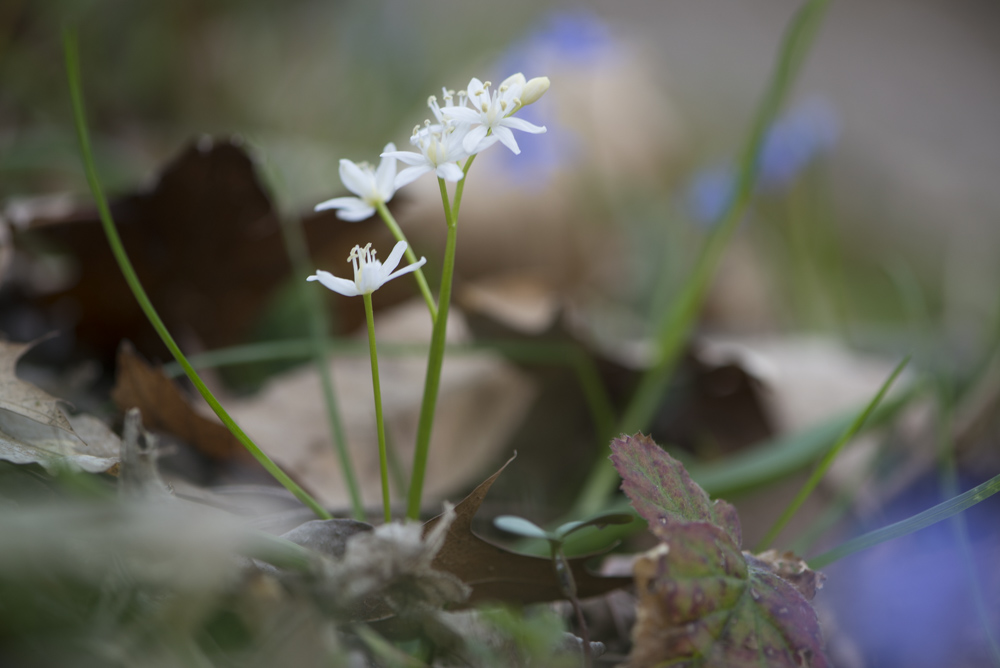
[(470, 121)]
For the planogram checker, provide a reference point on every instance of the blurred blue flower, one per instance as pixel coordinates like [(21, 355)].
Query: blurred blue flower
[(792, 142), (561, 41), (709, 193)]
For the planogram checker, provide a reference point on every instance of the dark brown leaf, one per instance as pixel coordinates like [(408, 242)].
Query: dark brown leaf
[(206, 244), (165, 407), (496, 574)]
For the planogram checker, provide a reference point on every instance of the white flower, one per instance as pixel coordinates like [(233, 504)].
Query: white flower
[(440, 150), (369, 273), (372, 187), (493, 113)]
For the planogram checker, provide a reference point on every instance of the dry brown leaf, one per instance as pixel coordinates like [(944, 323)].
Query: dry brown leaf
[(34, 429), (481, 401), (496, 574), (206, 244), (165, 408)]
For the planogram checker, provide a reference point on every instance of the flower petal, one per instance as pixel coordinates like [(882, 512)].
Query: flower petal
[(522, 125), (392, 261), (471, 140), (355, 214), (462, 114), (409, 157), (355, 179), (484, 144), (338, 203), (475, 85), (385, 175), (339, 285), (506, 137), (449, 171), (411, 174), (408, 268)]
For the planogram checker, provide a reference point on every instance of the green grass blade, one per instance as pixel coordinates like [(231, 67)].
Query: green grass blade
[(829, 458), (298, 254), (931, 516), (673, 332), (79, 117), (775, 459)]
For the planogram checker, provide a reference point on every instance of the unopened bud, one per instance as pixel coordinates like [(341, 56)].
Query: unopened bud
[(512, 80), (534, 89)]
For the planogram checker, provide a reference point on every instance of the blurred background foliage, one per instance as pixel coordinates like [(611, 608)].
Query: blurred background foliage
[(907, 87), (876, 219)]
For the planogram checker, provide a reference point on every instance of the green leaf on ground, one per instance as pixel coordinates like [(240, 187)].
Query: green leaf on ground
[(702, 601), (663, 493)]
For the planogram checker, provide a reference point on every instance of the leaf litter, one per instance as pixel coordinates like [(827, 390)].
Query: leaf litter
[(35, 429), (702, 601)]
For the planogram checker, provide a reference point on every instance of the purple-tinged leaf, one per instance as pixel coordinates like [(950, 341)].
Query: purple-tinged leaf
[(702, 603), (663, 493)]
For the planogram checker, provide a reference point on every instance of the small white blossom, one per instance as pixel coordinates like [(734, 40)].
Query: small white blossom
[(493, 113), (369, 273), (440, 150), (372, 187)]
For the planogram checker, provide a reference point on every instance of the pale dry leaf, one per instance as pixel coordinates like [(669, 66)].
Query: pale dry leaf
[(524, 303), (35, 430), (482, 401)]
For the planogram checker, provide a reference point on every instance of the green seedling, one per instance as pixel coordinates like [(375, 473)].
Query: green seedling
[(564, 574)]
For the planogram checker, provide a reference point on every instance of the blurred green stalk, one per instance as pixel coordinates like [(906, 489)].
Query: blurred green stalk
[(676, 326), (79, 117)]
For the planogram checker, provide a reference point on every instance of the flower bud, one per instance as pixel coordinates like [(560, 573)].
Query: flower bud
[(512, 80), (533, 90)]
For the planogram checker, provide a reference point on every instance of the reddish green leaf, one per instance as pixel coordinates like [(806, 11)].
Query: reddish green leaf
[(702, 604), (663, 493)]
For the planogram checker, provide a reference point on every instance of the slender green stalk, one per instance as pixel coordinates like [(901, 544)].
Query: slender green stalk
[(318, 334), (379, 422), (674, 330), (829, 458), (435, 360), (931, 516), (79, 117), (393, 226)]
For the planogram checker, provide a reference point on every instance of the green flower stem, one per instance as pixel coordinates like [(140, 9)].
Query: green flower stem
[(829, 458), (675, 328), (79, 117), (320, 353), (379, 422), (435, 360), (411, 257)]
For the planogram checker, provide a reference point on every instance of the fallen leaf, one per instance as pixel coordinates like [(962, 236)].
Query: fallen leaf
[(496, 574), (703, 602), (207, 245), (481, 402), (663, 493), (35, 430), (165, 407)]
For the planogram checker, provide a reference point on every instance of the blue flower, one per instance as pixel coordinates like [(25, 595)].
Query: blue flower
[(792, 142)]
